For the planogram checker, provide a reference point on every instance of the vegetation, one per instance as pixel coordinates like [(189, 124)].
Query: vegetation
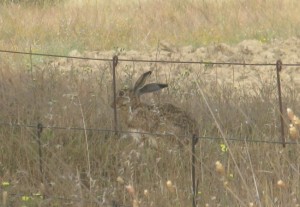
[(85, 166), (141, 24)]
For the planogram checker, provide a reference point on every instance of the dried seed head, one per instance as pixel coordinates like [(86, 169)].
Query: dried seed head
[(280, 184), (130, 189), (169, 183), (146, 193), (294, 133), (296, 120), (251, 204), (135, 203), (170, 186), (120, 180), (219, 167), (290, 114)]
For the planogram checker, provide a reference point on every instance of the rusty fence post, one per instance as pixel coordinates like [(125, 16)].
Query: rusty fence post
[(39, 133), (115, 63), (278, 70)]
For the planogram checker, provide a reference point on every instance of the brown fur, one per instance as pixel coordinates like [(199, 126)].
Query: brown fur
[(158, 119)]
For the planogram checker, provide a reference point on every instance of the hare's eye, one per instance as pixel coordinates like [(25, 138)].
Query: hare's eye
[(121, 93)]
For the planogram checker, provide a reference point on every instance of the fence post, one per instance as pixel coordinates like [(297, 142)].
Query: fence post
[(115, 63), (278, 69), (194, 188), (39, 133)]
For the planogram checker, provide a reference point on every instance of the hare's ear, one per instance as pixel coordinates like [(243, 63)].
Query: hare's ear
[(152, 87), (141, 81)]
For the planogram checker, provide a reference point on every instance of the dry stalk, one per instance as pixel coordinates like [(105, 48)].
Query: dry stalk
[(222, 133), (253, 176), (87, 146)]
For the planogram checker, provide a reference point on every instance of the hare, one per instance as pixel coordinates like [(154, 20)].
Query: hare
[(157, 118)]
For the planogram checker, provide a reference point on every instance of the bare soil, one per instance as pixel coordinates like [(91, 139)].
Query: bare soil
[(247, 51)]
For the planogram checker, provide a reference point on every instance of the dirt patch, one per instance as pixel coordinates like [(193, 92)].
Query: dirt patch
[(247, 51)]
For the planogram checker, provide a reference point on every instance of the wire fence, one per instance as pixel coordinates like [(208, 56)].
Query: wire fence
[(112, 131), (149, 61), (115, 61)]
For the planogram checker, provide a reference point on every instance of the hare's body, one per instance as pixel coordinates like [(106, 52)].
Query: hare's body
[(156, 118), (182, 123)]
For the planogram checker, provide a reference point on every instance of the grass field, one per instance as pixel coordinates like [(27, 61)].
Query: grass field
[(84, 167), (141, 24), (94, 168)]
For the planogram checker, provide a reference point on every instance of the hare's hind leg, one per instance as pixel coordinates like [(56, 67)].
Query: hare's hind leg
[(136, 135), (141, 138)]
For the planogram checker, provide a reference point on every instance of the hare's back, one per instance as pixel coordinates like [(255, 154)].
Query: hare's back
[(179, 118)]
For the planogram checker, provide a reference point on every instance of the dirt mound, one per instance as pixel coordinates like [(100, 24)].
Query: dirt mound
[(247, 51)]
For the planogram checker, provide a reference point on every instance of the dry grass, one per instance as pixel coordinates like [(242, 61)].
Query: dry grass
[(102, 25), (246, 174), (96, 168)]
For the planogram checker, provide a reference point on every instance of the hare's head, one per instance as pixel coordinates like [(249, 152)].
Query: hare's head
[(130, 97)]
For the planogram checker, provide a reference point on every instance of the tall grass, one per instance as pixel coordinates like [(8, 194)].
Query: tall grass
[(113, 171), (97, 168), (104, 25)]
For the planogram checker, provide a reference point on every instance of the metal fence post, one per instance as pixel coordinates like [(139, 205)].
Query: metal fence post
[(39, 133), (194, 187), (278, 69), (115, 63)]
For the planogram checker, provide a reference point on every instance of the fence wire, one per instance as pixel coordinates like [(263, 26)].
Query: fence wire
[(145, 61), (111, 131), (212, 138), (149, 61)]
